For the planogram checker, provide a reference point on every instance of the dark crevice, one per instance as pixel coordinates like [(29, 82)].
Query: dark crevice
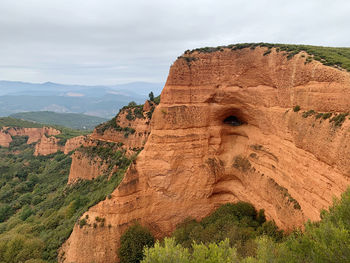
[(233, 121)]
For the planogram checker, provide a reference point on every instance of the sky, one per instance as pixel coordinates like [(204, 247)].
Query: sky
[(106, 42)]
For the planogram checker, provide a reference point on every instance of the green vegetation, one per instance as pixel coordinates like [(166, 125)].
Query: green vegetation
[(286, 194), (157, 100), (12, 122), (133, 111), (308, 113), (239, 222), (172, 252), (132, 243), (326, 241), (37, 208), (66, 133), (70, 120), (337, 120), (112, 124), (109, 152), (329, 56), (296, 108)]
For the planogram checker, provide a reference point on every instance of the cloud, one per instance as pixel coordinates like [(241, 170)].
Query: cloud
[(113, 41)]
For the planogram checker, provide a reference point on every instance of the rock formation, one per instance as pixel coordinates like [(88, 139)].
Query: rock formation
[(47, 145), (34, 134), (225, 130), (74, 143), (129, 129), (5, 138)]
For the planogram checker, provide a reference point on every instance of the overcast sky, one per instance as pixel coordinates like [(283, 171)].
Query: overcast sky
[(118, 41)]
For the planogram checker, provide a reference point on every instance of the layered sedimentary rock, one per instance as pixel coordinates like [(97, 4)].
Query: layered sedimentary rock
[(225, 130), (128, 129), (74, 143), (47, 145), (85, 168), (34, 134)]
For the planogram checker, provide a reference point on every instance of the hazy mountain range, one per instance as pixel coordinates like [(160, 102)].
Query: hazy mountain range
[(102, 101)]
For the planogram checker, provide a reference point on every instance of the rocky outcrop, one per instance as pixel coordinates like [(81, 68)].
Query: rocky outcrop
[(85, 167), (128, 131), (5, 138), (225, 130), (130, 128), (50, 145), (34, 134), (74, 143), (47, 145)]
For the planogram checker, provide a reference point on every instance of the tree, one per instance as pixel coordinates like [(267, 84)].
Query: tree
[(151, 96), (132, 243)]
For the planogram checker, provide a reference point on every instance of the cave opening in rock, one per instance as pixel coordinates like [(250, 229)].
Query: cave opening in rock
[(233, 121)]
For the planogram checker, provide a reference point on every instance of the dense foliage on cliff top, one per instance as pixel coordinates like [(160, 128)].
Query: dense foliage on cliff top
[(70, 120), (12, 122), (329, 56), (324, 241), (37, 209)]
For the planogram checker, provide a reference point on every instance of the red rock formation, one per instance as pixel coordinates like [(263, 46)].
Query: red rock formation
[(194, 161), (34, 134), (47, 145), (74, 143), (137, 139), (86, 167), (5, 138)]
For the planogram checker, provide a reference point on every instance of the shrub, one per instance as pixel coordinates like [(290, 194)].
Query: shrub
[(308, 113), (132, 104), (82, 222), (296, 108), (132, 243), (327, 115), (5, 212), (26, 212), (172, 252), (339, 119)]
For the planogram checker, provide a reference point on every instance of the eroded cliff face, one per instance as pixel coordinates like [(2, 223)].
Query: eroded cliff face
[(127, 133), (34, 134), (225, 131), (47, 145), (5, 138)]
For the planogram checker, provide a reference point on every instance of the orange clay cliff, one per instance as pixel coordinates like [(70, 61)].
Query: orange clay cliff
[(225, 130)]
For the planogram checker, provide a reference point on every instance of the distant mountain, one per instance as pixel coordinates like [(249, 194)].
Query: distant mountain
[(102, 101), (70, 120)]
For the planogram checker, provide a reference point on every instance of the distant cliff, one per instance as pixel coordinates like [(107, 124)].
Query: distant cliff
[(34, 134), (256, 124)]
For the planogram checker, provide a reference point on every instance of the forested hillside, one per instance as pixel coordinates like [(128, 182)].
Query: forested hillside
[(70, 120), (37, 208)]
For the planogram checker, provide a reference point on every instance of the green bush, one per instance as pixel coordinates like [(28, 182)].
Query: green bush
[(296, 108), (339, 119), (171, 252), (239, 222), (132, 243)]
